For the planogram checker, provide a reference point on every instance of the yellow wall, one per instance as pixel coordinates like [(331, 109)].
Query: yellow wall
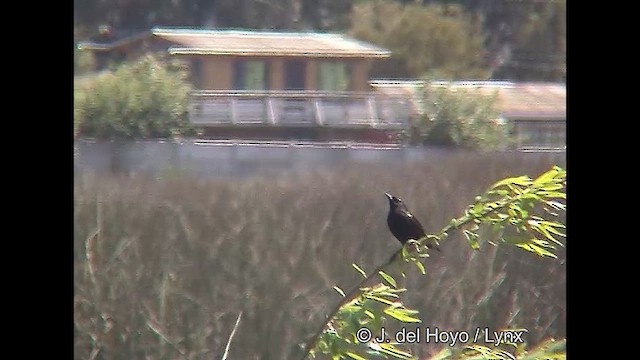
[(360, 75), (276, 77), (216, 72), (311, 81)]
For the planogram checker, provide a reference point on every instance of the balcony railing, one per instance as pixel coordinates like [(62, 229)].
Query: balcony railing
[(299, 108)]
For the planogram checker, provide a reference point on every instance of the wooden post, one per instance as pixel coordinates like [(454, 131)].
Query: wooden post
[(311, 77), (277, 74)]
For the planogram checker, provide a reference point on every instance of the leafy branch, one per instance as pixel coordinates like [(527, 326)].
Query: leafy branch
[(520, 209), (549, 349)]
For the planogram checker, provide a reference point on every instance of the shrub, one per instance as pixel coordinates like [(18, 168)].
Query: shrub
[(83, 61), (458, 118), (145, 99)]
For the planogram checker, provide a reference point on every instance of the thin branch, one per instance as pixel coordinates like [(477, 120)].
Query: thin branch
[(154, 325), (226, 349)]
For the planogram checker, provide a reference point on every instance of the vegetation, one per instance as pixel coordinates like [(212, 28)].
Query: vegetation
[(163, 267), (439, 41), (534, 33), (517, 40), (456, 117), (520, 209), (145, 99), (83, 62), (272, 14)]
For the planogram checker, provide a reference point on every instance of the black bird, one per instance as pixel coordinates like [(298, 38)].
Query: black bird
[(402, 224)]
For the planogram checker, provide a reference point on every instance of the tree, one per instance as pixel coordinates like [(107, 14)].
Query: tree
[(521, 210), (457, 117), (528, 38), (439, 41), (146, 99), (132, 16)]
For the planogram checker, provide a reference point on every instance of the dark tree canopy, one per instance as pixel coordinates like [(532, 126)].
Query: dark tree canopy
[(439, 41)]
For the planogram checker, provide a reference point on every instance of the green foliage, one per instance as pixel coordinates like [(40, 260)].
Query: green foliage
[(272, 14), (458, 117), (83, 62), (455, 41), (367, 310), (519, 204), (145, 99), (439, 41), (549, 349)]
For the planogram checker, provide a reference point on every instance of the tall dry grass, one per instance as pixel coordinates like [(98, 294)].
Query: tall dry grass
[(164, 267)]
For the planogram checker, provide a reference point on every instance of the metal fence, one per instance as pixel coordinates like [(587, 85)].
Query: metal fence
[(300, 108)]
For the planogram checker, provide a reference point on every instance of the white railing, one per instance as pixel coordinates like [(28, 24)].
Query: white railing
[(299, 108)]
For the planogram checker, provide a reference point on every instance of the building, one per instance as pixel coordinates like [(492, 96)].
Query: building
[(266, 85), (273, 85), (537, 112)]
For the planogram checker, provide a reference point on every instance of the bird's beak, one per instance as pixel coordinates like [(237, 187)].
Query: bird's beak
[(389, 196)]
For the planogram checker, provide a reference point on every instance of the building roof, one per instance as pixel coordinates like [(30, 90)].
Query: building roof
[(186, 41), (266, 43), (113, 42), (516, 101)]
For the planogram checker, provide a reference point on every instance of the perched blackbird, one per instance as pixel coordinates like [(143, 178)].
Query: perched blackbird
[(402, 224)]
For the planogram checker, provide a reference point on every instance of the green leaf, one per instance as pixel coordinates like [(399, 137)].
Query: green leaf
[(388, 278), (547, 176), (553, 194), (546, 228), (378, 299), (489, 353), (551, 227), (390, 349), (364, 274), (388, 294), (520, 180), (552, 187), (500, 192), (536, 249), (530, 196), (472, 239), (420, 267), (401, 315), (477, 208), (355, 356), (405, 253), (556, 205), (515, 189)]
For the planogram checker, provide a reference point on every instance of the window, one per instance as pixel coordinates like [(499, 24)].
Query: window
[(295, 74), (334, 76), (250, 75)]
